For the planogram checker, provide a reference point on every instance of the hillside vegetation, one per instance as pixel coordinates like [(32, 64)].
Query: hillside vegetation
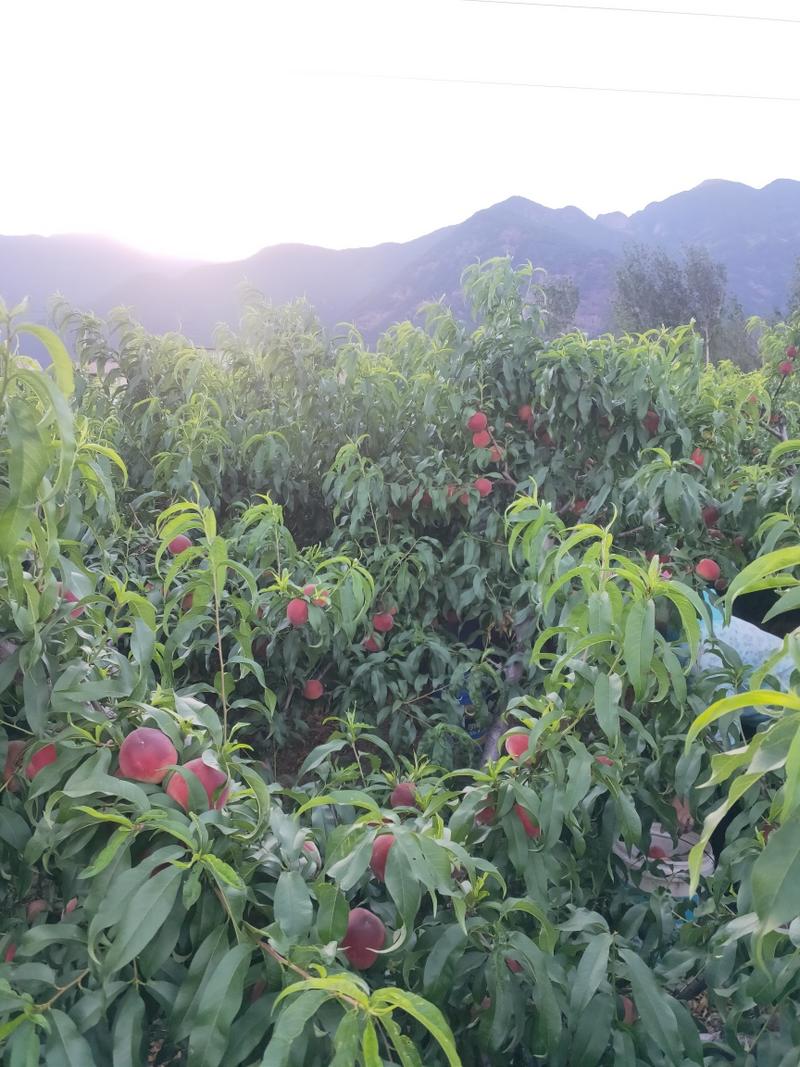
[(260, 606)]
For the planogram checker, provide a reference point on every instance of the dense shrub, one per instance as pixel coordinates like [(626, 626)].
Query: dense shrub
[(188, 861)]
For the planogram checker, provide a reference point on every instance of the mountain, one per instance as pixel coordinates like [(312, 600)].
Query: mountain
[(755, 233), (81, 268)]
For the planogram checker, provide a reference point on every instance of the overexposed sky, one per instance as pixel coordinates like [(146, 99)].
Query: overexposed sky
[(210, 128)]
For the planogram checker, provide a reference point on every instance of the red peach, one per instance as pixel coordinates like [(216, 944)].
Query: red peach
[(211, 779), (40, 759), (708, 570), (477, 422), (297, 612), (179, 544), (710, 515), (313, 689), (380, 854), (364, 938), (629, 1012), (71, 598), (656, 852), (529, 826), (404, 795), (483, 485), (517, 745), (383, 622), (651, 421), (482, 439), (146, 755)]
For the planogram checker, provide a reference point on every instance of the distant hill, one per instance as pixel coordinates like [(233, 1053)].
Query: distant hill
[(754, 232)]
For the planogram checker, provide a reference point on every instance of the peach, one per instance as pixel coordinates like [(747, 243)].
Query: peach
[(380, 854), (517, 745), (708, 570), (297, 612), (313, 689), (477, 422), (528, 825), (365, 936), (383, 622), (40, 759), (179, 544), (211, 779), (651, 421), (146, 755), (71, 598), (404, 795)]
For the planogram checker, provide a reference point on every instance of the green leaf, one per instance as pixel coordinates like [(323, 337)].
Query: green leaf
[(404, 1046), (402, 885), (28, 461), (775, 877), (294, 911), (791, 787), (449, 948), (107, 853), (425, 1013), (202, 967), (753, 698), (62, 364), (590, 973), (65, 1045), (219, 1003), (347, 1040), (24, 1047), (369, 1046), (290, 1025), (607, 695), (639, 644), (332, 912), (146, 914), (749, 578), (127, 1033), (653, 1007)]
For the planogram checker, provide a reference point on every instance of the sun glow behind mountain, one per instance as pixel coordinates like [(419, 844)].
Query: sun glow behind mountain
[(208, 132)]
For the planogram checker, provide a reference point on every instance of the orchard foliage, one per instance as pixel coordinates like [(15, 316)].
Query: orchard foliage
[(211, 559)]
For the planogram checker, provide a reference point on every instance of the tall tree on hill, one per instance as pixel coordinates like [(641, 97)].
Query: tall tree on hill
[(794, 291), (655, 290), (561, 298)]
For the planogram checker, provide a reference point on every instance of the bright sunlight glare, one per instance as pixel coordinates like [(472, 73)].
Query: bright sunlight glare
[(209, 130)]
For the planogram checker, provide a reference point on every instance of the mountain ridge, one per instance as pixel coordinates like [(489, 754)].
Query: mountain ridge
[(754, 232)]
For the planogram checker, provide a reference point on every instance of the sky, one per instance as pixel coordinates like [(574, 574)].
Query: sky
[(211, 128)]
